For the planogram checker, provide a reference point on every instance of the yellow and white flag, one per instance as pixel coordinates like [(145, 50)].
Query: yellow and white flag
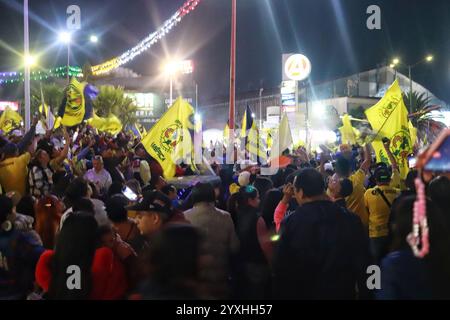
[(170, 140), (389, 118)]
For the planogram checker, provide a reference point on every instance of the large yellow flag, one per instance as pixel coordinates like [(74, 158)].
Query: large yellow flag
[(389, 118), (73, 112), (111, 124), (253, 141), (172, 130), (348, 133), (10, 120)]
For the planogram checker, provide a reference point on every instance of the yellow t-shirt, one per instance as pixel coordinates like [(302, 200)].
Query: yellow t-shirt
[(355, 202), (13, 173), (378, 209)]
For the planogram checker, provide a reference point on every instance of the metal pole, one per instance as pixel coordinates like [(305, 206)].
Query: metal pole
[(308, 146), (27, 67), (232, 64), (196, 97), (68, 62), (231, 111), (410, 90), (171, 91), (260, 108)]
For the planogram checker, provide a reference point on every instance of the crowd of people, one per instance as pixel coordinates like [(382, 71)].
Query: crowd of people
[(69, 228)]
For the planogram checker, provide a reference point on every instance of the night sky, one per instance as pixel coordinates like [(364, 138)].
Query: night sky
[(332, 33)]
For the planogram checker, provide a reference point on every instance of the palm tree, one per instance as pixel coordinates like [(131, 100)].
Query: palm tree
[(420, 115), (112, 100), (53, 96)]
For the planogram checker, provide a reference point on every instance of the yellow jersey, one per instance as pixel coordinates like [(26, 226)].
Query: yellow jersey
[(355, 202), (379, 210), (13, 173)]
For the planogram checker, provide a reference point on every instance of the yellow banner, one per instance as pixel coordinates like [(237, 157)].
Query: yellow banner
[(389, 118), (171, 132)]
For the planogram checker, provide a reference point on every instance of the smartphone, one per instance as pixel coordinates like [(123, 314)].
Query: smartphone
[(412, 162), (127, 192)]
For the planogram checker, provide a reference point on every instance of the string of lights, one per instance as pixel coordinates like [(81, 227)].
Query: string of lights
[(149, 41), (129, 55), (60, 72)]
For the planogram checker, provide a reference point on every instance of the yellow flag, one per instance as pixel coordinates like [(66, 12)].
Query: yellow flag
[(75, 107), (163, 140), (10, 120), (389, 118), (111, 124), (43, 110), (412, 132), (57, 123), (254, 144), (348, 133)]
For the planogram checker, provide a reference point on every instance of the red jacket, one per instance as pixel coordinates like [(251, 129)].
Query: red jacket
[(109, 281)]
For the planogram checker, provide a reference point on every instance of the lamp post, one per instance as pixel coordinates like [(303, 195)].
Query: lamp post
[(260, 108), (170, 70), (396, 61), (66, 38), (27, 66)]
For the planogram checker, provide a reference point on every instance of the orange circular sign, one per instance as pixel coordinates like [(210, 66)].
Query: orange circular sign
[(297, 67)]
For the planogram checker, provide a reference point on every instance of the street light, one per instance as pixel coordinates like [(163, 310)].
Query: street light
[(29, 60), (93, 39), (170, 69), (66, 38), (429, 58)]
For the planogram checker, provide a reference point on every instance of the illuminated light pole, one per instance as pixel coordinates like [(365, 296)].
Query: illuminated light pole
[(27, 66), (66, 38), (428, 59)]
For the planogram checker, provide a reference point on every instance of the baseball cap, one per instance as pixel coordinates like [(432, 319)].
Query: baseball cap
[(153, 201), (382, 174)]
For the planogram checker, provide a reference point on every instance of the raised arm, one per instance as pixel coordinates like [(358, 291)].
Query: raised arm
[(63, 155), (387, 148), (28, 138)]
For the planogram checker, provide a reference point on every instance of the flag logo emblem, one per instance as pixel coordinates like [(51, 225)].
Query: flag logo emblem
[(171, 136)]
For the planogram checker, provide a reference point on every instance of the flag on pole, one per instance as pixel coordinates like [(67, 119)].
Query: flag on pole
[(284, 138), (253, 142), (9, 120), (349, 135), (110, 124), (76, 106), (389, 118), (170, 139)]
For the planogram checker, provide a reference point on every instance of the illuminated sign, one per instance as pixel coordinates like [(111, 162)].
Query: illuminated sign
[(296, 67), (186, 67), (288, 95), (13, 105)]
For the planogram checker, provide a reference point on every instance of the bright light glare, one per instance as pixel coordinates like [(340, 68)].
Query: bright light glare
[(319, 109), (30, 60), (429, 58), (171, 68), (197, 117), (396, 61), (93, 39), (253, 115), (65, 37)]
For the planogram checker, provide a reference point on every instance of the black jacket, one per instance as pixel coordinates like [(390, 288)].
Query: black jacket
[(323, 253)]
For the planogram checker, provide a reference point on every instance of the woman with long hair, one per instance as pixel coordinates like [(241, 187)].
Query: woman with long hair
[(254, 254), (49, 210), (405, 276), (76, 260)]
